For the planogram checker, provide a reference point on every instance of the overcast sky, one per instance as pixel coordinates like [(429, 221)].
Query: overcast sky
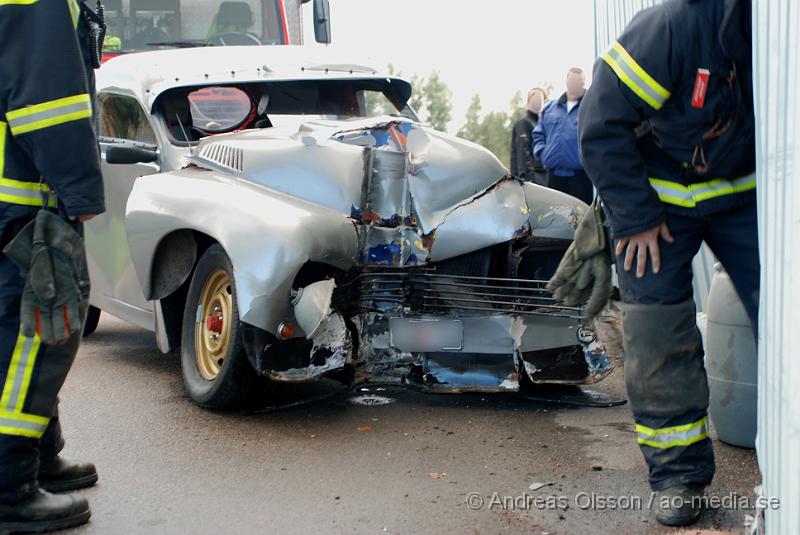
[(493, 48)]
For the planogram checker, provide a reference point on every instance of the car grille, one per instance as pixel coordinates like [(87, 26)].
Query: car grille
[(429, 292)]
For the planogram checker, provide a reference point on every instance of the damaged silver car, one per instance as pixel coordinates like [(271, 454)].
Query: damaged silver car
[(273, 217)]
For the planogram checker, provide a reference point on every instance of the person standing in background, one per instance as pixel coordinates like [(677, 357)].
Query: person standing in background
[(523, 164), (555, 140)]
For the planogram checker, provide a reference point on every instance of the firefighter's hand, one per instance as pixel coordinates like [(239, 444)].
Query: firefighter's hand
[(82, 218), (639, 245)]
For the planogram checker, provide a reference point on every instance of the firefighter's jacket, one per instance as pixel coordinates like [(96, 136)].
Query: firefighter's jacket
[(668, 122), (46, 135)]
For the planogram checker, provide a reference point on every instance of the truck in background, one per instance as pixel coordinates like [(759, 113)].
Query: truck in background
[(137, 25)]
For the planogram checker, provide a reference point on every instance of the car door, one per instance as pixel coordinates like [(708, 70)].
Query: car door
[(122, 124)]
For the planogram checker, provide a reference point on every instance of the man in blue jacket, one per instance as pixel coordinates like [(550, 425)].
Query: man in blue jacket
[(555, 140)]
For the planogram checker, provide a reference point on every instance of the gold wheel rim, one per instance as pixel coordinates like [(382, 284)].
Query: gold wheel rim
[(212, 330)]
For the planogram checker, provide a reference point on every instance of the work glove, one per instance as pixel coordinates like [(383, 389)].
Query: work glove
[(52, 257), (584, 274)]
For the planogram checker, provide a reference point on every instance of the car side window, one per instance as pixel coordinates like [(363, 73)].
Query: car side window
[(122, 117)]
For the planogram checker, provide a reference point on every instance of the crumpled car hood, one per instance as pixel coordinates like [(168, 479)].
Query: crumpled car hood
[(417, 194), (323, 162)]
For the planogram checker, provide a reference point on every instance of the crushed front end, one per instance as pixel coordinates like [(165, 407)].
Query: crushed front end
[(448, 287), (479, 322)]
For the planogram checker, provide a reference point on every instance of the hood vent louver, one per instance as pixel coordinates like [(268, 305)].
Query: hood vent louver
[(223, 155)]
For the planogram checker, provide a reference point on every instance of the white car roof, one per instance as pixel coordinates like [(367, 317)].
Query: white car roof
[(146, 75)]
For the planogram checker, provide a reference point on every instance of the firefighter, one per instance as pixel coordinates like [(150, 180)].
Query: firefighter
[(667, 137), (50, 182)]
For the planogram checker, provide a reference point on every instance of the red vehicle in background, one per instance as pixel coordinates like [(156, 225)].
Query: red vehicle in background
[(137, 25)]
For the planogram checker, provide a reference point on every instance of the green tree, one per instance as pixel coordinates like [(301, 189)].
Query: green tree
[(432, 100), (492, 130), (376, 103), (518, 108), (417, 100), (549, 89), (472, 123), (438, 102)]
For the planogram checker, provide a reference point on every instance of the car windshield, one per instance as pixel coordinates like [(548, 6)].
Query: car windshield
[(147, 24), (196, 112)]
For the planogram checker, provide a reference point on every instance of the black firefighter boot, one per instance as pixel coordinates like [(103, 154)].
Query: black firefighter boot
[(680, 505), (42, 511), (59, 475)]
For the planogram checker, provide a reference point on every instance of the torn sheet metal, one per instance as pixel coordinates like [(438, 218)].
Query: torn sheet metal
[(553, 214), (491, 218), (385, 198), (392, 247), (416, 177), (549, 354), (471, 372), (332, 342), (331, 350)]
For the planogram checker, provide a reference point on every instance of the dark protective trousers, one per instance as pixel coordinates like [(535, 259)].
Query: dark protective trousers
[(31, 375), (665, 375), (577, 185)]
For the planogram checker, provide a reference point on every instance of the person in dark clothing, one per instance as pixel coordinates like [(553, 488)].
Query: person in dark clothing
[(49, 160), (555, 140), (684, 69), (523, 164)]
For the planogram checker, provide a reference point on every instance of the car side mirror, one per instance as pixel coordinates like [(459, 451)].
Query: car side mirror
[(125, 154), (322, 21)]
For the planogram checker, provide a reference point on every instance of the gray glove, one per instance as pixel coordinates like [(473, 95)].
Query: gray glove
[(52, 256), (584, 274)]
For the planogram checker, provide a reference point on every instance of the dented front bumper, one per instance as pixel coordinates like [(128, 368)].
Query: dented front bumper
[(496, 353), (447, 333)]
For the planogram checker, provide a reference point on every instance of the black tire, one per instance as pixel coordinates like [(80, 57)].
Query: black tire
[(236, 378), (92, 319)]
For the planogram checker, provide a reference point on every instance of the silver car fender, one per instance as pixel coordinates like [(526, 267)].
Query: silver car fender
[(267, 234)]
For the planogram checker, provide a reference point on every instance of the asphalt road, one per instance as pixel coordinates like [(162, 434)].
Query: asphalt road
[(334, 466)]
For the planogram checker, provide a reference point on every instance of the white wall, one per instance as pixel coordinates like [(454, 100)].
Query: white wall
[(777, 75)]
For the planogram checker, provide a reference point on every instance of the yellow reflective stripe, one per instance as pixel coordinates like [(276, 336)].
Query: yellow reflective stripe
[(18, 191), (15, 390), (27, 418), (73, 11), (26, 201), (48, 114), (21, 184), (3, 127), (18, 378), (663, 186), (649, 431), (635, 77), (670, 437), (24, 193), (11, 375), (17, 2), (25, 425), (689, 195), (20, 432), (673, 443)]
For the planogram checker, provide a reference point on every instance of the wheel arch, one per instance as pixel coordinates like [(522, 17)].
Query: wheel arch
[(171, 270)]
